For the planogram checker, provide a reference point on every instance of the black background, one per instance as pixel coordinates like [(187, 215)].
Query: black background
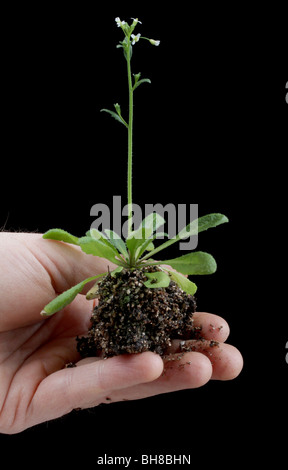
[(210, 130)]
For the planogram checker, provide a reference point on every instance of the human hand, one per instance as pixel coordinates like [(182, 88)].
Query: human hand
[(35, 386)]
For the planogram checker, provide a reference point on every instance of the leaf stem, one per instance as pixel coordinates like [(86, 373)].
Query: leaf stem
[(130, 142)]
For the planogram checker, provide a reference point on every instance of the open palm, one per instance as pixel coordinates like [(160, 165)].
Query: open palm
[(35, 385)]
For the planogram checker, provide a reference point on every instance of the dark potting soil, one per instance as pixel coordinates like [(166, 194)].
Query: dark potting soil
[(131, 318)]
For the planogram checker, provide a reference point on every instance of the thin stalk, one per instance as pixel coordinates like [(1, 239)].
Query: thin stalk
[(130, 144)]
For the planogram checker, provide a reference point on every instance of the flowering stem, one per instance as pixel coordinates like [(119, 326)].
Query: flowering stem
[(129, 41), (130, 143)]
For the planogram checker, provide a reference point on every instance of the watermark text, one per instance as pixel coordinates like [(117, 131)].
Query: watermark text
[(177, 218)]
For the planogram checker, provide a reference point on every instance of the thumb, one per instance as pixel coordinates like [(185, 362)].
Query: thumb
[(39, 270), (68, 265)]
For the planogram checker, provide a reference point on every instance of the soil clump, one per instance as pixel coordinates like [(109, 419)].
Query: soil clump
[(132, 318)]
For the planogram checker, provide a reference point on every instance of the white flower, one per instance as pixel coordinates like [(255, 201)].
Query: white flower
[(119, 22), (154, 43), (135, 38), (136, 20)]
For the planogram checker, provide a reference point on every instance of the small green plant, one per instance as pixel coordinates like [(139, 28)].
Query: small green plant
[(138, 249)]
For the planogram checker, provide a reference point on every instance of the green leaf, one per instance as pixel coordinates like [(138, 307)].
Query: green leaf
[(153, 221), (97, 235), (118, 109), (117, 270), (61, 235), (157, 279), (194, 227), (91, 246), (147, 245), (93, 293), (139, 82), (138, 238), (134, 242), (115, 116), (150, 246), (201, 224), (94, 233), (160, 235), (197, 262), (136, 77), (183, 282), (209, 221), (148, 226), (66, 297), (117, 242)]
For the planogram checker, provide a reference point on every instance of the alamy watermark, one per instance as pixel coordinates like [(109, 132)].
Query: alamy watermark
[(177, 218), (286, 353), (144, 459), (286, 98)]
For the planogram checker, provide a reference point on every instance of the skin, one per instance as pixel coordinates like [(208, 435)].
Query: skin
[(35, 350)]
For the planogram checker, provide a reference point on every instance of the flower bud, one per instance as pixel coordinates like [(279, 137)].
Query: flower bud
[(153, 42)]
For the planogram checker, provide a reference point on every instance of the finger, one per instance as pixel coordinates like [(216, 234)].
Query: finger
[(191, 370), (184, 371), (188, 370), (86, 386), (226, 360), (211, 326)]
